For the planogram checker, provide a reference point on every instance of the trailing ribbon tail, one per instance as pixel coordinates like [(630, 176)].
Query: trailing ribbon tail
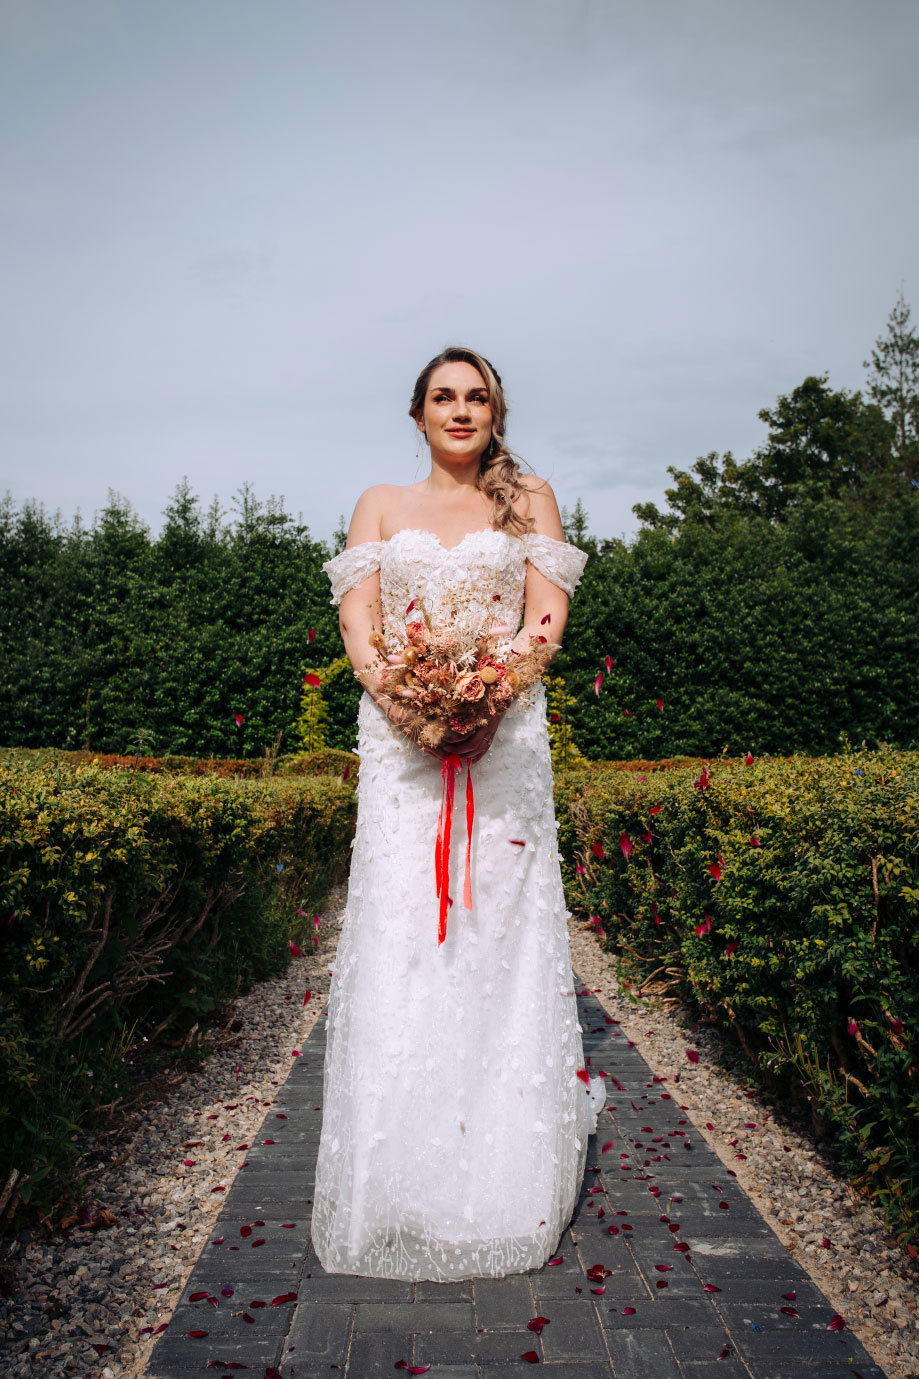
[(470, 815), (449, 766)]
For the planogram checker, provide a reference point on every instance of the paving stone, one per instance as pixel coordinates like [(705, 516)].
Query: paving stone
[(503, 1303), (659, 1314), (781, 1344), (573, 1333), (320, 1335), (228, 1321), (699, 1342), (456, 1290), (181, 1355), (458, 1348), (377, 1354), (731, 1367), (524, 1370), (416, 1317), (640, 1354), (323, 1287)]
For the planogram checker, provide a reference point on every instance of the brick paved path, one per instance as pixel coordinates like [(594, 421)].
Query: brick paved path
[(354, 1328)]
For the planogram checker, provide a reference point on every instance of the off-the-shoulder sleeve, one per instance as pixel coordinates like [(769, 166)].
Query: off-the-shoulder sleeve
[(351, 566), (557, 560)]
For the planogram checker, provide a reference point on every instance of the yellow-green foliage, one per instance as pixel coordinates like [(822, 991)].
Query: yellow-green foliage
[(559, 703), (137, 900), (813, 924)]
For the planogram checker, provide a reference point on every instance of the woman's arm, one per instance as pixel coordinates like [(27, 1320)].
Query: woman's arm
[(360, 613), (542, 598)]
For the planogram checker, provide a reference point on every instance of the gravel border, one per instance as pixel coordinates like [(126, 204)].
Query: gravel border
[(866, 1276), (105, 1286)]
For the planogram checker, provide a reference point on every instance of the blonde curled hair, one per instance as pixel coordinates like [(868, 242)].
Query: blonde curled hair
[(499, 473)]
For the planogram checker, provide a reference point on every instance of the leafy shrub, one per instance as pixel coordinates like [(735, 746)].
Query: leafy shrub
[(132, 902), (778, 900)]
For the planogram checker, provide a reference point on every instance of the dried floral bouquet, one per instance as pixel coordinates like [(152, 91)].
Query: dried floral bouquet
[(455, 683)]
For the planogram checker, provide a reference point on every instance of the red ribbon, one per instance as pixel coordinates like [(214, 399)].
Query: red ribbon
[(449, 767)]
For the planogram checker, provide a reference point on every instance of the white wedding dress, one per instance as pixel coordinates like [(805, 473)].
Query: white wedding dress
[(454, 1125)]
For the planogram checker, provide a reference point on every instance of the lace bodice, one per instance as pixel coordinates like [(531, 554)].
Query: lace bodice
[(480, 581)]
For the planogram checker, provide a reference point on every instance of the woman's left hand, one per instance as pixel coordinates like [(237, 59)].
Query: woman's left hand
[(470, 747)]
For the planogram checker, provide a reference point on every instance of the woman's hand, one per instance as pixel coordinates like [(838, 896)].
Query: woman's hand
[(470, 747)]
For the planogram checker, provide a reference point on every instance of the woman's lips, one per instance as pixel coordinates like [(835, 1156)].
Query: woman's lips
[(456, 432)]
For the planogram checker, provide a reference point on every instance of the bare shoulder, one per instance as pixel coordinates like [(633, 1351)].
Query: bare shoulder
[(539, 502), (369, 511)]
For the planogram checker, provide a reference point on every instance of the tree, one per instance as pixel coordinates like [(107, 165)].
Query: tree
[(574, 524), (893, 383), (822, 443)]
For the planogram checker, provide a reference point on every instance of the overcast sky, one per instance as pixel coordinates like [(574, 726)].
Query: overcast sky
[(232, 232)]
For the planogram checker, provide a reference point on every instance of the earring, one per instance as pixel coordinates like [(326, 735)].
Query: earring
[(419, 449)]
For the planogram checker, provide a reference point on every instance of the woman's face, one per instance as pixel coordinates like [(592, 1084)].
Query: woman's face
[(457, 414)]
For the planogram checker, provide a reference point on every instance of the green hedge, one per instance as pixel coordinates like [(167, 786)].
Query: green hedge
[(132, 903), (806, 947)]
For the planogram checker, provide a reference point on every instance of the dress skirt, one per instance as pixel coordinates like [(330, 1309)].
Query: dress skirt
[(454, 1124)]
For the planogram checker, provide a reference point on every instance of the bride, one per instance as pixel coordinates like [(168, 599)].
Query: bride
[(456, 1103)]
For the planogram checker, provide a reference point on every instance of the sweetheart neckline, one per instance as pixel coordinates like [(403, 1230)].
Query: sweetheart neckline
[(424, 531)]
